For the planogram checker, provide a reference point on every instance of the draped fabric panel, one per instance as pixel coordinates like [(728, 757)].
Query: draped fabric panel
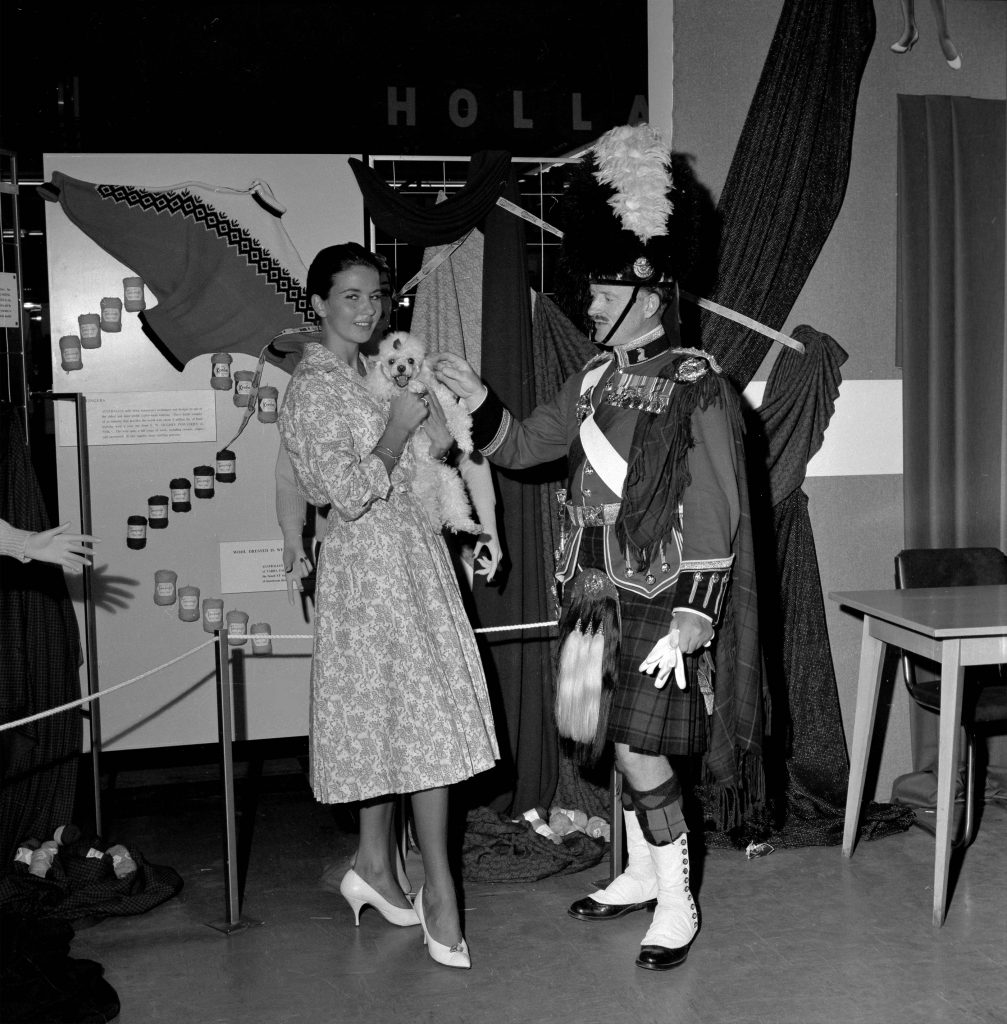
[(561, 350), (806, 763), (798, 403), (445, 222), (448, 311), (39, 659), (518, 665), (788, 176), (950, 324), (784, 189), (952, 342)]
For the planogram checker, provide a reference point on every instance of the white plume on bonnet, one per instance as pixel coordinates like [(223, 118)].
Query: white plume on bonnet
[(634, 160)]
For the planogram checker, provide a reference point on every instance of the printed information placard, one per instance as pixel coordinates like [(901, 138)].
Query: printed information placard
[(142, 417), (10, 314), (250, 566)]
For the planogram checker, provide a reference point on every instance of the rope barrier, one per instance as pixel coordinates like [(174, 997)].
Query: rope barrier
[(311, 636), (102, 693), (526, 625), (233, 636)]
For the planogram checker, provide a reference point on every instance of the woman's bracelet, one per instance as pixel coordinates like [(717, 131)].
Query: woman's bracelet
[(444, 456), (380, 449)]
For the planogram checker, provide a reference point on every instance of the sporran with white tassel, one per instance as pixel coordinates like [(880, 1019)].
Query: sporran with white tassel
[(590, 632)]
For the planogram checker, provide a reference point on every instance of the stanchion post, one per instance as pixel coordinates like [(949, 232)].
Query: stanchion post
[(90, 630), (93, 713), (233, 920)]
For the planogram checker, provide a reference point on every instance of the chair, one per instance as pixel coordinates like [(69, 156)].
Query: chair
[(985, 699)]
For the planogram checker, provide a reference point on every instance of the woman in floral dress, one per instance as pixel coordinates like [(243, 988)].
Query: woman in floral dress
[(398, 697)]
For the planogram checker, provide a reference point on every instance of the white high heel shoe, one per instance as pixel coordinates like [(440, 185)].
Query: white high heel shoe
[(358, 894), (905, 47), (954, 62), (449, 956)]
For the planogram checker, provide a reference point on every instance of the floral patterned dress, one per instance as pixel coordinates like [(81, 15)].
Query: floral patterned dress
[(398, 695)]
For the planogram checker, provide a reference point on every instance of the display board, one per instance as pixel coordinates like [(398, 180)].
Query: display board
[(149, 424)]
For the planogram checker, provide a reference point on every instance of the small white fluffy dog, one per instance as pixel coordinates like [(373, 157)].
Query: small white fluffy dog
[(401, 363)]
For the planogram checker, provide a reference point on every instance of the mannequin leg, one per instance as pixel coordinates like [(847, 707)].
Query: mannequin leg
[(951, 55), (910, 33)]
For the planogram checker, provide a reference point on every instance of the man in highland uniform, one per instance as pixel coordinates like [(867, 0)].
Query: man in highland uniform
[(658, 641)]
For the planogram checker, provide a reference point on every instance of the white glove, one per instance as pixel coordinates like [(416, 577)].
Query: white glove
[(664, 657), (486, 555)]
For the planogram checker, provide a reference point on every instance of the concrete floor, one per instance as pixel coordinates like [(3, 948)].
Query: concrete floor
[(797, 936)]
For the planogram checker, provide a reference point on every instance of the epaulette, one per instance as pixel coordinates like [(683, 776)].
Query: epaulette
[(691, 369), (695, 366)]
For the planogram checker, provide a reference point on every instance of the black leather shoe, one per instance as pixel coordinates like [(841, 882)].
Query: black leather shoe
[(589, 909), (660, 958)]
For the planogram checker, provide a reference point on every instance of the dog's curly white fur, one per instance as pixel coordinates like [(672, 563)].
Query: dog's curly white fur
[(401, 363)]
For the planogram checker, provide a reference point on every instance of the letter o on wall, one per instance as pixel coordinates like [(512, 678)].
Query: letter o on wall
[(459, 99)]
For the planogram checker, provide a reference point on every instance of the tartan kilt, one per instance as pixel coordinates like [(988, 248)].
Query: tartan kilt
[(665, 721)]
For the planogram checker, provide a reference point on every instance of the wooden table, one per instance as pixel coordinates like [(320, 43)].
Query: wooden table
[(953, 626)]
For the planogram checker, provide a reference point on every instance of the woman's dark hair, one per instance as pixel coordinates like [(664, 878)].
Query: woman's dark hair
[(335, 258)]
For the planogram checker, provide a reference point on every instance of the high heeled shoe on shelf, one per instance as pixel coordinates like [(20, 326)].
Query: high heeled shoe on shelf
[(904, 47), (450, 956), (954, 62), (359, 894)]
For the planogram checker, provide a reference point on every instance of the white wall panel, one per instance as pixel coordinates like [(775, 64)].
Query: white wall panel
[(864, 436)]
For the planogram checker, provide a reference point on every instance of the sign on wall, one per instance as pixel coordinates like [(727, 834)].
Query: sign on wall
[(142, 417), (9, 311)]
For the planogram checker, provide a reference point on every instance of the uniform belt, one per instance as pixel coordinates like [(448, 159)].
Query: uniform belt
[(593, 515)]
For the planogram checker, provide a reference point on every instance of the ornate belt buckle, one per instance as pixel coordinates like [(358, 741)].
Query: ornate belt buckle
[(593, 515)]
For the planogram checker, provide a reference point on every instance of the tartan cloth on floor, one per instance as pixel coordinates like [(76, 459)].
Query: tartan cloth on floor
[(78, 887), (496, 849)]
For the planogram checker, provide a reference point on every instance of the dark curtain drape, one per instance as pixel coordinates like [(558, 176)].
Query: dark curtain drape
[(788, 176), (950, 325), (784, 189), (444, 222), (561, 350), (953, 352), (517, 664), (39, 660), (805, 758)]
